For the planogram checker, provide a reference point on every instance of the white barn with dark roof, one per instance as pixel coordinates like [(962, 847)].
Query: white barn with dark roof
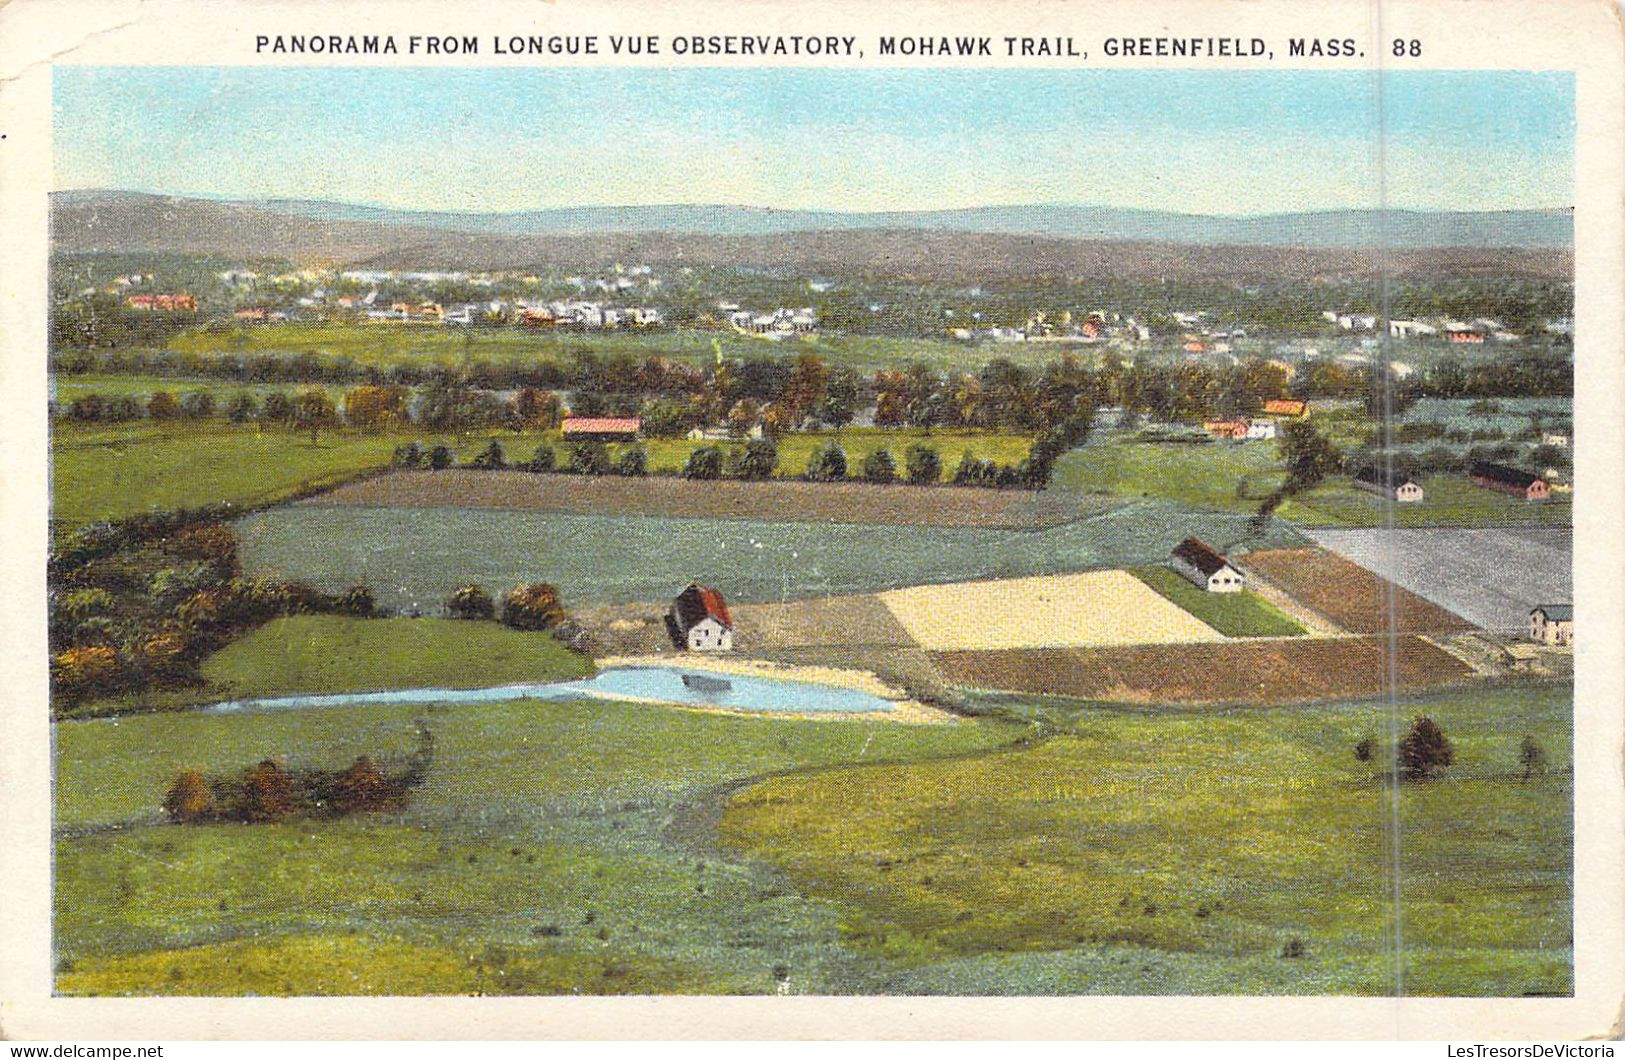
[(1205, 567)]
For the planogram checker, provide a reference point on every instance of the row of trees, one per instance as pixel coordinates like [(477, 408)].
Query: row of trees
[(1425, 752)]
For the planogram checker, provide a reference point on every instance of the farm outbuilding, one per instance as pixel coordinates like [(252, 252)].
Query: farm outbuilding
[(1285, 407), (1511, 480), (1205, 567), (1552, 624), (601, 428), (1386, 482), (699, 620)]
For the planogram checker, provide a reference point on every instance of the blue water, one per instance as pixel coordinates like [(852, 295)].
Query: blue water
[(754, 694)]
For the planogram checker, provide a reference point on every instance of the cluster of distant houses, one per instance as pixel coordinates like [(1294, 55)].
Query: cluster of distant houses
[(776, 323), (1473, 332), (1066, 327), (1262, 427), (168, 303)]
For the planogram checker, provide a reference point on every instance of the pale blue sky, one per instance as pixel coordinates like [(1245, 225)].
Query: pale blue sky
[(499, 139)]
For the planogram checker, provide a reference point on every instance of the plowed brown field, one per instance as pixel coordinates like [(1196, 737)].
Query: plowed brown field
[(773, 501), (1256, 672), (1348, 595)]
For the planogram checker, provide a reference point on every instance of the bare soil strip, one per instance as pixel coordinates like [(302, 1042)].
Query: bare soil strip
[(1349, 596), (678, 498), (1252, 672)]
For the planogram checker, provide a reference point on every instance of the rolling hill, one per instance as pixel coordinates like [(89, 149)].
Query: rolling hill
[(989, 243)]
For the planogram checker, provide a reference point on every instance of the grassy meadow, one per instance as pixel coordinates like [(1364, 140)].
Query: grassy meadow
[(554, 848), (604, 848), (1242, 614), (1233, 853), (386, 344), (102, 471)]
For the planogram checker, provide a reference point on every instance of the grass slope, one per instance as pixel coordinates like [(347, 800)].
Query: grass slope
[(555, 847), (1242, 614), (1189, 837), (331, 653)]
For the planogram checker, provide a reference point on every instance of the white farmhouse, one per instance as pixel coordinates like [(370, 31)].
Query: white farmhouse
[(1261, 429), (1552, 624), (1205, 567), (699, 620)]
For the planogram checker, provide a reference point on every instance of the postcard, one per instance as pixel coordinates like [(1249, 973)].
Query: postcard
[(1016, 520)]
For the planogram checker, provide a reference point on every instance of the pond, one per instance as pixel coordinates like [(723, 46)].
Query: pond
[(716, 688)]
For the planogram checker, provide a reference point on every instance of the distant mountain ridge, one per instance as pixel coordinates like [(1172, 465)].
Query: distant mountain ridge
[(360, 237), (1328, 228)]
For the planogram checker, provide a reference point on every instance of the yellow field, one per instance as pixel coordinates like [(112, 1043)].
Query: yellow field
[(1096, 609)]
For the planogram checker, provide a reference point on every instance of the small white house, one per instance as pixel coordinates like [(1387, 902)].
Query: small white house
[(1552, 624), (1261, 429), (699, 620), (1205, 567)]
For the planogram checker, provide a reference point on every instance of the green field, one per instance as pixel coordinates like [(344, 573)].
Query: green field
[(385, 344), (67, 387), (562, 847), (1448, 500), (330, 653), (104, 471), (1157, 852), (1236, 477), (554, 848), (413, 557), (1242, 614)]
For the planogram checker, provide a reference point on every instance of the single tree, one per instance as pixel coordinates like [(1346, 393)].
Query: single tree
[(879, 468), (533, 606), (189, 799), (1531, 756), (544, 461), (357, 600), (589, 458), (828, 464), (1424, 751), (470, 601), (922, 464), (491, 458), (704, 463), (441, 457), (759, 460), (267, 794), (632, 463)]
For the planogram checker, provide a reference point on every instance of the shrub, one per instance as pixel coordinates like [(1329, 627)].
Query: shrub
[(93, 669), (1365, 749), (974, 472), (759, 459), (470, 601), (1531, 756), (1293, 948), (163, 406), (190, 798), (704, 463), (922, 464), (633, 463), (534, 606), (356, 600), (408, 455), (828, 464), (879, 467), (441, 457), (491, 459), (544, 461), (198, 405), (362, 788), (1424, 751), (266, 794), (589, 458)]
